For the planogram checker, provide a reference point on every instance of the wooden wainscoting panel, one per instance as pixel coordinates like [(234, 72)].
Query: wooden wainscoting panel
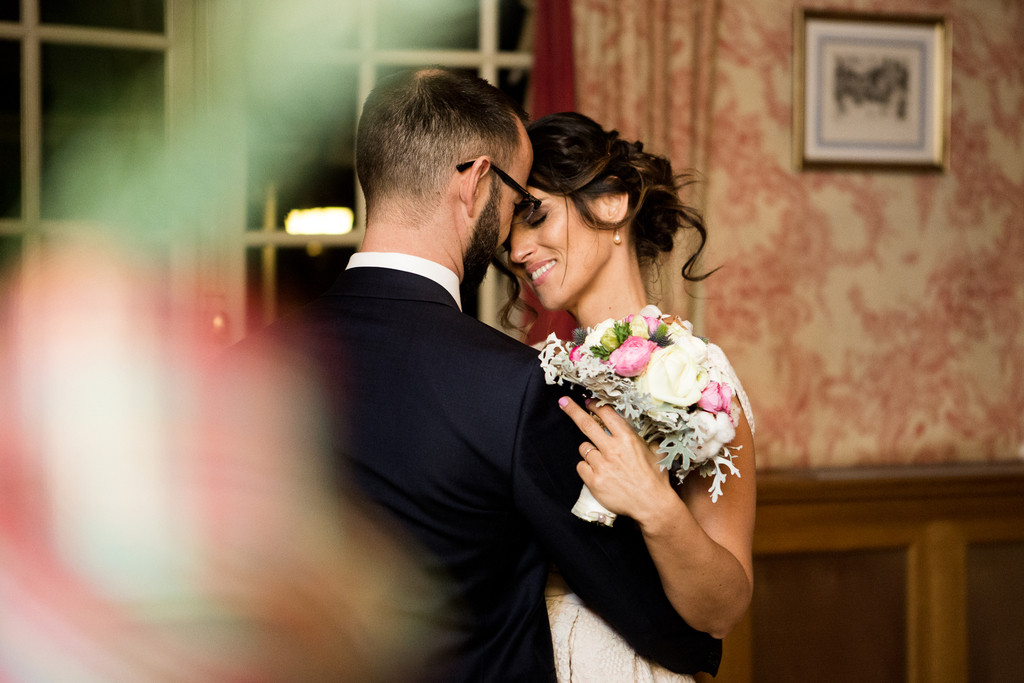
[(736, 659), (995, 612), (832, 616), (905, 574)]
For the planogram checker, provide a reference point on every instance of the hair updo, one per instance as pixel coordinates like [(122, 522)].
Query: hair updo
[(573, 156)]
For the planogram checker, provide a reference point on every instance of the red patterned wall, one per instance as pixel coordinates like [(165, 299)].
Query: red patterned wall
[(874, 318)]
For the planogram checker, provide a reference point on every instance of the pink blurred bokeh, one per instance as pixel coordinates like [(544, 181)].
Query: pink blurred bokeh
[(168, 516)]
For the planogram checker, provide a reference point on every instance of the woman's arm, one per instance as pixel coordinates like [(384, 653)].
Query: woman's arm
[(702, 549)]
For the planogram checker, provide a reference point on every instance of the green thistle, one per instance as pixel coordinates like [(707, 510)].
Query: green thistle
[(660, 336), (579, 335)]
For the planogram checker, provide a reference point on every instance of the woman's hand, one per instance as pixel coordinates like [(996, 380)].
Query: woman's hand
[(702, 549), (618, 467)]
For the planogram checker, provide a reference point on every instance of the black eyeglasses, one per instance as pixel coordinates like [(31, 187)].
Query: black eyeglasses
[(525, 208)]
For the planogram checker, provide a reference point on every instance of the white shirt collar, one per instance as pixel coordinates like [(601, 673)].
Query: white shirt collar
[(409, 264)]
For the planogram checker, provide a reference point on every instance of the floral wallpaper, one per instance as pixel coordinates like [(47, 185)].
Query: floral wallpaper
[(644, 67), (874, 318)]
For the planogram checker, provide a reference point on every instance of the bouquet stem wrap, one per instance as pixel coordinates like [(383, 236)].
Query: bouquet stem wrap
[(587, 507)]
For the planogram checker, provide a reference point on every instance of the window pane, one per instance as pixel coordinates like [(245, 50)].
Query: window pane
[(512, 26), (283, 30), (10, 10), (10, 129), (136, 15), (514, 82), (301, 275), (103, 118), (301, 146), (414, 24), (10, 254)]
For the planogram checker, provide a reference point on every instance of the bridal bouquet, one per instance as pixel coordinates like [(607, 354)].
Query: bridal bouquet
[(664, 381)]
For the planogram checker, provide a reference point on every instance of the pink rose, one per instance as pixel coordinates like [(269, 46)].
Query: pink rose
[(576, 353), (716, 398), (630, 359)]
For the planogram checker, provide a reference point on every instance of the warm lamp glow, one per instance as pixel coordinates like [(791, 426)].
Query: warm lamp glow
[(334, 220)]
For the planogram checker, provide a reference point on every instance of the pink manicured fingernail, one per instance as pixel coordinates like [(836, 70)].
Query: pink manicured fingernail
[(563, 401), (587, 402)]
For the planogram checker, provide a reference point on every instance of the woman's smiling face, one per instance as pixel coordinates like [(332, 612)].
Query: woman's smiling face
[(558, 254)]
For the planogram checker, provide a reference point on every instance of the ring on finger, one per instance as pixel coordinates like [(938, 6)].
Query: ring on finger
[(587, 452)]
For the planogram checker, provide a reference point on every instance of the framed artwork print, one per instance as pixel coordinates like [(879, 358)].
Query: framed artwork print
[(870, 90)]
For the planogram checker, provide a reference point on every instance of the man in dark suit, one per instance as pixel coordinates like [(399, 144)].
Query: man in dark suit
[(450, 426)]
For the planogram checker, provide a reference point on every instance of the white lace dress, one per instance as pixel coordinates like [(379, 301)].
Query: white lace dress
[(587, 650)]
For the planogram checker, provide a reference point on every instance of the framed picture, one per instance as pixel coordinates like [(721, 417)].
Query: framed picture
[(870, 90)]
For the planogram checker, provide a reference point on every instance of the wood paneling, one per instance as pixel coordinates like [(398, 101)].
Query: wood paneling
[(835, 616), (995, 612), (898, 574)]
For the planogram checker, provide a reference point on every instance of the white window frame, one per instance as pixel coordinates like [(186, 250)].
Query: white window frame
[(487, 59), (177, 45)]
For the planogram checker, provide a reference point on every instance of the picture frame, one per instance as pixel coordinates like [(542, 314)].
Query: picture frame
[(871, 91)]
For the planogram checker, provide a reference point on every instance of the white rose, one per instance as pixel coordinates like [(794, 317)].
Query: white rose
[(651, 311), (594, 338), (716, 430), (682, 335), (674, 375), (681, 328)]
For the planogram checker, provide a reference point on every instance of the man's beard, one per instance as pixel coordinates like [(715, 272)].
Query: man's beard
[(483, 245)]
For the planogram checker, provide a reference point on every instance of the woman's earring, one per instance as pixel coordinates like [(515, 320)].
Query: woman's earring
[(617, 239)]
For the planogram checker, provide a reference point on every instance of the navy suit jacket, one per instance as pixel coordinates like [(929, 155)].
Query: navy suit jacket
[(448, 425)]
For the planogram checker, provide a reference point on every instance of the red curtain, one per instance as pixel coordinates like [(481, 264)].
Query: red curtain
[(553, 91)]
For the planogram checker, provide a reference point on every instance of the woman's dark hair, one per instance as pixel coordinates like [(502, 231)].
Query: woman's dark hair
[(574, 157)]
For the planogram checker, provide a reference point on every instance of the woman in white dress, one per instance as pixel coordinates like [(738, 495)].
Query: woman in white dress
[(609, 210)]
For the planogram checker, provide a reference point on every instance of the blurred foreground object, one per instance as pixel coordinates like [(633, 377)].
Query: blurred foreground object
[(162, 522)]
